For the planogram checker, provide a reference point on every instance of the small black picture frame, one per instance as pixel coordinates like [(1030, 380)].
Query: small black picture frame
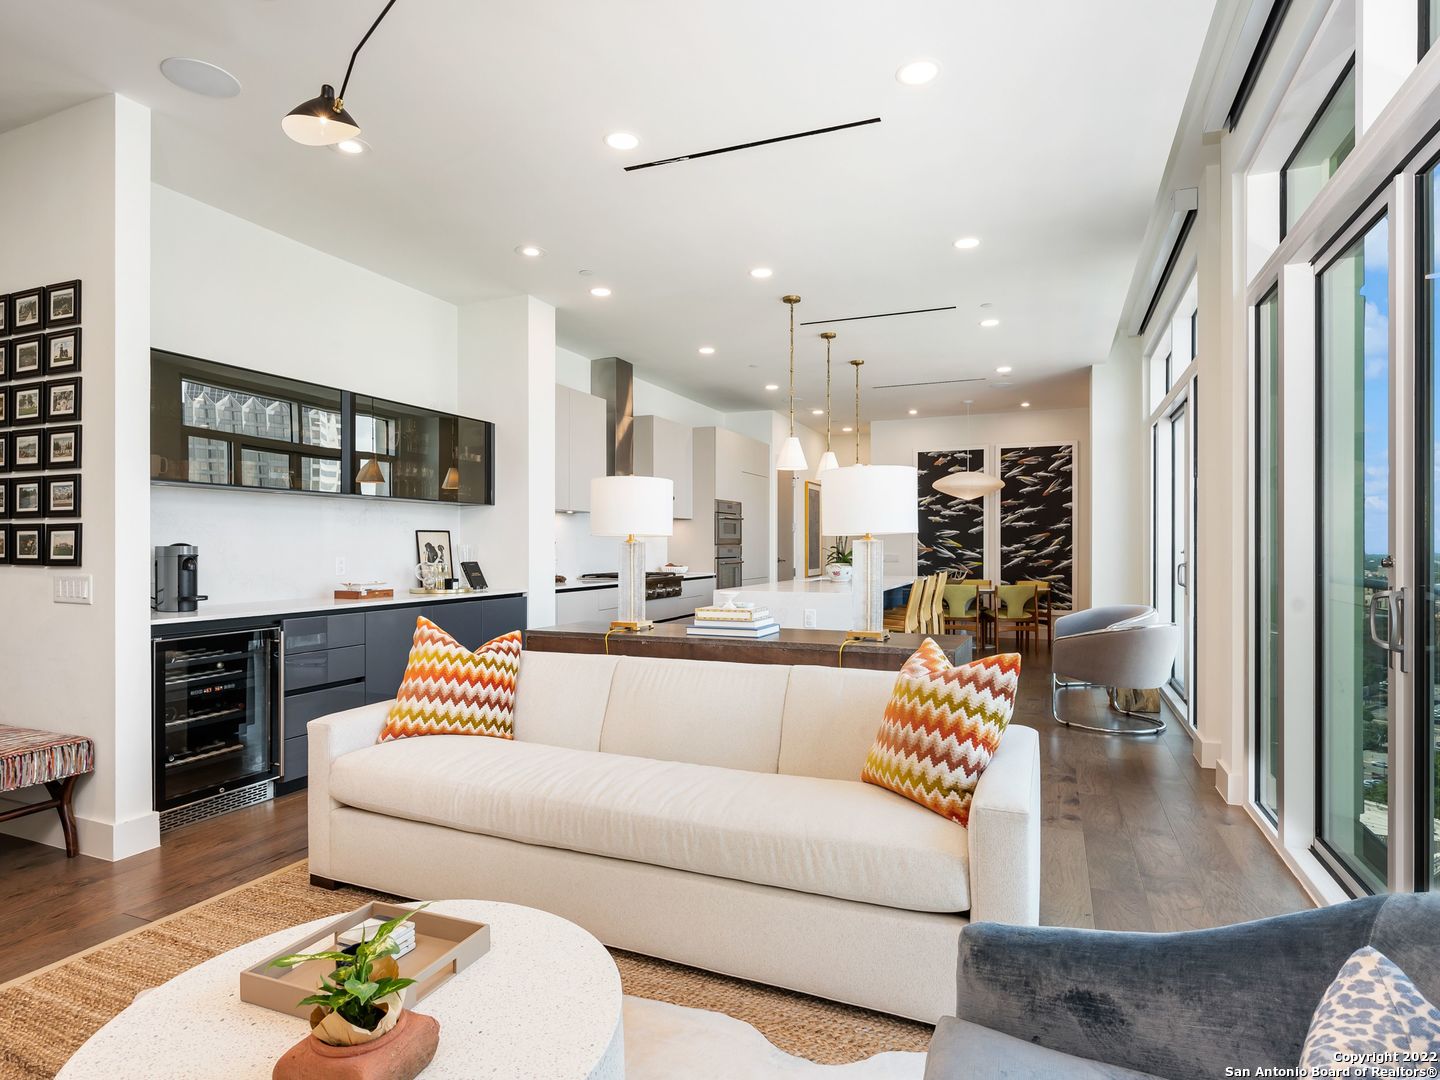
[(5, 542), (4, 451), (27, 451), (27, 545), (62, 304), (27, 498), (4, 356), (4, 500), (27, 404), (62, 496), (62, 544), (27, 311), (433, 546), (27, 357), (62, 352), (62, 401), (62, 447), (4, 314), (6, 405)]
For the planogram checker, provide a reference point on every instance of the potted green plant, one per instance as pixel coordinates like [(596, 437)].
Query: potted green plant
[(839, 559), (361, 1000)]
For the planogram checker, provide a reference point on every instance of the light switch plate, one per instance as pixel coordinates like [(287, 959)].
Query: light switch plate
[(74, 589)]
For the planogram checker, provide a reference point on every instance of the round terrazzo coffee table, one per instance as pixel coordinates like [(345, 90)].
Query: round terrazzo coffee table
[(544, 1002)]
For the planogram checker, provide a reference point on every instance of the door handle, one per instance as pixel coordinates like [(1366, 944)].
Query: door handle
[(1182, 575), (1394, 642)]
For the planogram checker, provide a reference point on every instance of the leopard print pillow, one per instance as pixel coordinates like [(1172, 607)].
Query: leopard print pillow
[(1372, 1019)]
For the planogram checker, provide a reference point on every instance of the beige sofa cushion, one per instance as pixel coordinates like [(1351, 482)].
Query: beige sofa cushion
[(835, 838), (560, 698), (831, 718), (696, 711)]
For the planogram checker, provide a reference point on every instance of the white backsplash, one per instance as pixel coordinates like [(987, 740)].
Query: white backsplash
[(577, 552)]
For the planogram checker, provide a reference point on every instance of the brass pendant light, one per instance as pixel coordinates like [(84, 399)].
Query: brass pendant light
[(857, 365), (828, 460), (792, 455)]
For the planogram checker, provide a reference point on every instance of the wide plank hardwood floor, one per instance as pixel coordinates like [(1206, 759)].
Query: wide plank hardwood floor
[(1133, 837)]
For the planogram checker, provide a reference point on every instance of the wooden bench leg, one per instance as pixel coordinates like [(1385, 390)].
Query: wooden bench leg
[(61, 791)]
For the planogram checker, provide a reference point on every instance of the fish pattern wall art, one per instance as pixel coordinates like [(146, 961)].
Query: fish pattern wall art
[(952, 531), (1037, 516)]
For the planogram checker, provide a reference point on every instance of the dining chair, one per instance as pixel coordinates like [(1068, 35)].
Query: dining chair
[(937, 603), (927, 602), (1044, 607), (1017, 606), (906, 619), (965, 609)]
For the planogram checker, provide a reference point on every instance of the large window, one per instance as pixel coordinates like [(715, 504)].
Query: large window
[(1326, 143), (1428, 575), (1355, 566), (1429, 24), (1267, 552)]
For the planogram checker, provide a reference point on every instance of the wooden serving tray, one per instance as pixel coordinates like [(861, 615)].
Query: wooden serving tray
[(444, 947)]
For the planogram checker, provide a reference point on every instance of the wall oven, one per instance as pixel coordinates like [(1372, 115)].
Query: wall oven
[(218, 713), (728, 567), (729, 522)]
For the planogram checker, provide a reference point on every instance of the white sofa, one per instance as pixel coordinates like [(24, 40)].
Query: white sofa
[(706, 813)]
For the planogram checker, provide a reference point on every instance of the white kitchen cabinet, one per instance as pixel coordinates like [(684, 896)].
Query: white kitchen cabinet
[(579, 447), (667, 449)]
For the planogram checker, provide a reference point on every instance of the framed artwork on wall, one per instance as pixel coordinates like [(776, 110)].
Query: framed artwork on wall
[(1037, 518), (27, 357), (4, 314), (62, 545), (62, 447), (4, 406), (4, 353), (62, 400), (951, 535), (62, 496), (25, 454), (29, 544), (4, 452), (62, 352), (4, 500), (25, 311), (4, 544), (814, 547), (25, 498), (62, 304), (27, 404)]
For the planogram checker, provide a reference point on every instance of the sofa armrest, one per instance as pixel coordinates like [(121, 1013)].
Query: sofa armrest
[(332, 737), (1183, 1004), (1005, 833)]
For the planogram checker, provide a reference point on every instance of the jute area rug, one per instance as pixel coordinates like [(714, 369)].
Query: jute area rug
[(46, 1015)]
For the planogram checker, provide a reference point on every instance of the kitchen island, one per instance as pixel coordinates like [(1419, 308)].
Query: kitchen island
[(810, 603)]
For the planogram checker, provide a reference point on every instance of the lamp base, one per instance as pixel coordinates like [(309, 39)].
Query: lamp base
[(634, 627), (870, 635)]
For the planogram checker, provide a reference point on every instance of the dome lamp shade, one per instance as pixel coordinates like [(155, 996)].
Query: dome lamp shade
[(321, 121)]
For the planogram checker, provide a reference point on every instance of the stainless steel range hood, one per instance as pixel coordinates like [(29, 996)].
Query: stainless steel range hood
[(614, 380)]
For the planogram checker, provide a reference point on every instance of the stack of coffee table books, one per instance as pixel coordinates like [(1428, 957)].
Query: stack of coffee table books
[(733, 622)]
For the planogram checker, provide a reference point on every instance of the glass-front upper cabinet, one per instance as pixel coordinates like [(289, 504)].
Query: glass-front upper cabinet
[(221, 425), (1327, 142)]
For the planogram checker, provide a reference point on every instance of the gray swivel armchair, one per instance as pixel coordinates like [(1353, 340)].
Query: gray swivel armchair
[(1109, 647), (1041, 1003)]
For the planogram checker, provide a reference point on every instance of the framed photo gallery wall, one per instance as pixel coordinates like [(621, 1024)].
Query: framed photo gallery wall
[(41, 354)]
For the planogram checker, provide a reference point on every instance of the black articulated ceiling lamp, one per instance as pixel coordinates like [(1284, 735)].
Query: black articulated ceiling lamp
[(323, 121)]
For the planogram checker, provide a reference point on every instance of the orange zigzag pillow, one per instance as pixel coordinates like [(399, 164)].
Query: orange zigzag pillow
[(942, 726), (449, 690)]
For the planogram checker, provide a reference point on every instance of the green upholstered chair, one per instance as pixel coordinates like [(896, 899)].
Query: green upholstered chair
[(1017, 607), (963, 608)]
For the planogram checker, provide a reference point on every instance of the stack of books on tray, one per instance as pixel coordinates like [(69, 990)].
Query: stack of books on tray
[(733, 622)]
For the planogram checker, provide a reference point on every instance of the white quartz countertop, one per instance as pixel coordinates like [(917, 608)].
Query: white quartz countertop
[(315, 605), (579, 584), (817, 586)]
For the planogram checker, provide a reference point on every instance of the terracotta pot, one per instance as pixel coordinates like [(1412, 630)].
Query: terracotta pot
[(400, 1054)]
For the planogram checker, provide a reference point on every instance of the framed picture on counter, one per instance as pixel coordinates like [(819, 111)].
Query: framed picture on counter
[(26, 357), (62, 447), (62, 400), (62, 352), (62, 545), (29, 544), (62, 304), (432, 547)]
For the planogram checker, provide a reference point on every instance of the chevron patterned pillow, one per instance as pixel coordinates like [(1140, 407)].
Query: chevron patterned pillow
[(449, 690), (941, 728)]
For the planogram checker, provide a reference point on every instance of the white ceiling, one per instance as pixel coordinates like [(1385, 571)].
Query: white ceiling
[(1045, 135)]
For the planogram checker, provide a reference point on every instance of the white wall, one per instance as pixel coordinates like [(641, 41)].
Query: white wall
[(1119, 479), (230, 291), (74, 203), (897, 442)]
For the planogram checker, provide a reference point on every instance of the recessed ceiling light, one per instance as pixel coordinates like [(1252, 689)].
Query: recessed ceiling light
[(918, 72), (761, 272), (621, 140), (847, 430), (530, 251), (199, 77), (600, 290), (817, 412), (707, 350), (771, 386), (1004, 369), (987, 323), (965, 243), (350, 147), (914, 412), (1024, 404)]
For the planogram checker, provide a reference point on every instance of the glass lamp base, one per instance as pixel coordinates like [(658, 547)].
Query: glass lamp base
[(631, 612), (867, 590)]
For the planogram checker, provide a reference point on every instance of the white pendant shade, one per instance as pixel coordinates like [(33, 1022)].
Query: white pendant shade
[(792, 456), (968, 485), (632, 506), (870, 499), (828, 461)]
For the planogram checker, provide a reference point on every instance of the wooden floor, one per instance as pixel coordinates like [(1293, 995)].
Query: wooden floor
[(1134, 837)]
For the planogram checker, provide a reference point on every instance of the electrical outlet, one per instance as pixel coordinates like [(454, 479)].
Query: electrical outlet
[(809, 618), (74, 589), (340, 566)]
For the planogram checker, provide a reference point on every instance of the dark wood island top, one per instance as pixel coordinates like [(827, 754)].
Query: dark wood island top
[(814, 647)]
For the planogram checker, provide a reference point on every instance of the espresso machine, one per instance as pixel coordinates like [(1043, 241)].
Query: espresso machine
[(177, 578)]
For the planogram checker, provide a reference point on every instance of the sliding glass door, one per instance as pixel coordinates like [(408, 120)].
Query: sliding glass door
[(1356, 570), (1267, 546), (1428, 571)]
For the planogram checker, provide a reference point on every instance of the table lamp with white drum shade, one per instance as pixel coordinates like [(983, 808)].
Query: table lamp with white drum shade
[(631, 507), (860, 501)]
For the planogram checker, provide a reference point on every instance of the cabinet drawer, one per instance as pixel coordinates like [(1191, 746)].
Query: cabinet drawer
[(297, 758), (323, 668), (300, 709), (324, 632)]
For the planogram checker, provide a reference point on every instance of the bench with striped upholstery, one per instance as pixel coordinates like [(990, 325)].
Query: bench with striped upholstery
[(29, 757)]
